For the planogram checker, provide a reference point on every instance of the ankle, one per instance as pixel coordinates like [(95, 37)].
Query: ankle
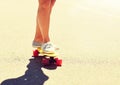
[(37, 40)]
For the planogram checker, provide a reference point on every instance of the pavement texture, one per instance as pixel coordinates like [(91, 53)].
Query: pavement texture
[(86, 31)]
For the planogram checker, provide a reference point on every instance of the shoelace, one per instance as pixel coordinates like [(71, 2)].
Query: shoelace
[(47, 46)]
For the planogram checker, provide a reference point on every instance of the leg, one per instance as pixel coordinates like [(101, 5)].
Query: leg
[(43, 20), (46, 32), (46, 36), (38, 35)]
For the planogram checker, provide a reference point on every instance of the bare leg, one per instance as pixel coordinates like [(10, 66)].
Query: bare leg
[(38, 35), (46, 36), (43, 20)]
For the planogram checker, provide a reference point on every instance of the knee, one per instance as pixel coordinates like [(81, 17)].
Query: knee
[(45, 4)]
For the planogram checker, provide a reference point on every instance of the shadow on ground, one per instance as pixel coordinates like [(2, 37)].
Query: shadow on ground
[(33, 76)]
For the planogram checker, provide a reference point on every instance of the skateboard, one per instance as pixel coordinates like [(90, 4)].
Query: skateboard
[(47, 58)]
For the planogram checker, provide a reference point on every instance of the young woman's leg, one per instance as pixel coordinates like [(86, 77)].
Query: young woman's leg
[(46, 32), (38, 35), (43, 20)]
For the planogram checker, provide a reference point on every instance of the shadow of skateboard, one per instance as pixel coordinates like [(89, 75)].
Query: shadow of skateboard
[(33, 75)]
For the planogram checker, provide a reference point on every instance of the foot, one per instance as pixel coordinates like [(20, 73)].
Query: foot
[(36, 44), (48, 47), (39, 45)]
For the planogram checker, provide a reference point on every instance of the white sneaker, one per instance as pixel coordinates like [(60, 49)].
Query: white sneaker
[(48, 47)]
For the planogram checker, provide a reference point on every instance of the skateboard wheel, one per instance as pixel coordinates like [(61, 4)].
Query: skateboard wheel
[(59, 62), (35, 53), (56, 59)]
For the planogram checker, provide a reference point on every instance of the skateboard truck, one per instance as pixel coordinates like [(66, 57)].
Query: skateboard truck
[(47, 58)]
